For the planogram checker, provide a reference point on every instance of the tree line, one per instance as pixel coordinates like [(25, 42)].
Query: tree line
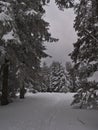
[(58, 78)]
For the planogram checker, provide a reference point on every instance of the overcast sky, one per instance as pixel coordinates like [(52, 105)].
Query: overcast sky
[(61, 26)]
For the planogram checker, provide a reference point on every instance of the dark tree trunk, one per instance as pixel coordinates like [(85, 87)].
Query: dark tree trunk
[(73, 83), (48, 89), (22, 92), (73, 89), (4, 97)]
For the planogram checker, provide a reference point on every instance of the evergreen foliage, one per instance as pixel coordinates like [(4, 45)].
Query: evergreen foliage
[(85, 49), (45, 78), (62, 4), (85, 53), (87, 96), (57, 78), (71, 77), (23, 33)]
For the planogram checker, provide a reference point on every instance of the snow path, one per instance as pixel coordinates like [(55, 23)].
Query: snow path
[(46, 112)]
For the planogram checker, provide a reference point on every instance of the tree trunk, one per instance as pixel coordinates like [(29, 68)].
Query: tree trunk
[(22, 92), (4, 97), (48, 89)]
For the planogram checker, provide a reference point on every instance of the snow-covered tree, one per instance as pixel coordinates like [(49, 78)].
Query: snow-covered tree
[(8, 36), (33, 32), (45, 78), (57, 78), (62, 4), (85, 49), (86, 96), (71, 77), (22, 32)]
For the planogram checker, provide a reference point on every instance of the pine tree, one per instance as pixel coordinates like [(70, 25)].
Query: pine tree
[(23, 33), (71, 77), (8, 36), (45, 78), (57, 78), (33, 32), (85, 49), (62, 4), (86, 96)]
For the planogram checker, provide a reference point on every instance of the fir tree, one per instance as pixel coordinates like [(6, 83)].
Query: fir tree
[(62, 4), (85, 49), (45, 78), (71, 77), (8, 36), (86, 96), (57, 78), (23, 33)]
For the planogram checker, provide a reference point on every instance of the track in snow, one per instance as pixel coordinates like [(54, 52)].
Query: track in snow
[(46, 112)]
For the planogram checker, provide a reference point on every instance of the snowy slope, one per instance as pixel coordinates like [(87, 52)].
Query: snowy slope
[(46, 112)]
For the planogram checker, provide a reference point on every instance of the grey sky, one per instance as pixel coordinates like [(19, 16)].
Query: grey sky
[(61, 26)]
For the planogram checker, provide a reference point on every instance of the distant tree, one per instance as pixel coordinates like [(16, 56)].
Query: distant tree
[(71, 77), (57, 78), (62, 4), (45, 78)]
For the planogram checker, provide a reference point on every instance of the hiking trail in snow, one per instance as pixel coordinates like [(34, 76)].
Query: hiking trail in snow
[(46, 111)]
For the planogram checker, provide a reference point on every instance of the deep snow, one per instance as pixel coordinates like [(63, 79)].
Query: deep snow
[(46, 112)]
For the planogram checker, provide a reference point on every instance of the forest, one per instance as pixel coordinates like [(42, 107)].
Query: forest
[(23, 33), (38, 96)]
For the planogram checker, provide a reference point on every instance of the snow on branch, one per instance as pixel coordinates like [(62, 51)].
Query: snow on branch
[(10, 36), (4, 17), (31, 12), (4, 3), (93, 37), (4, 12)]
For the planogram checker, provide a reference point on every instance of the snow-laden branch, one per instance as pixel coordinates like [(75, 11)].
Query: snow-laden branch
[(87, 31)]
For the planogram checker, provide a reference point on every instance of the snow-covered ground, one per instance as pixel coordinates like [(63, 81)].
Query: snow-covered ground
[(46, 112)]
